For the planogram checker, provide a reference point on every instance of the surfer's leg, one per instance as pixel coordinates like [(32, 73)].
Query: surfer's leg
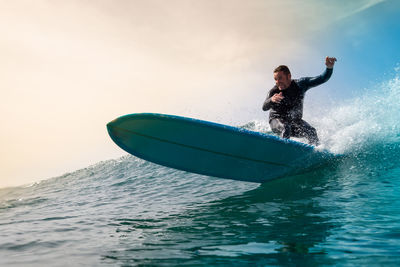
[(280, 128), (302, 129)]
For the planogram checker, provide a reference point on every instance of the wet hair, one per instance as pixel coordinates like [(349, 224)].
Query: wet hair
[(283, 68)]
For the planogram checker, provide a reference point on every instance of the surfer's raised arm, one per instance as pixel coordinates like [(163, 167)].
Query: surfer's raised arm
[(309, 82)]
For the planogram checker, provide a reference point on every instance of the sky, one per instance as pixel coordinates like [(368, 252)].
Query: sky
[(69, 67)]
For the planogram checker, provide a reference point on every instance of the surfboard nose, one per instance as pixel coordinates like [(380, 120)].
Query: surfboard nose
[(111, 128), (111, 124), (115, 123)]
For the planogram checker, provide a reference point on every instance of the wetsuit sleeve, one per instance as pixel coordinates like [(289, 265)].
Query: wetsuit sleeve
[(309, 82), (268, 103)]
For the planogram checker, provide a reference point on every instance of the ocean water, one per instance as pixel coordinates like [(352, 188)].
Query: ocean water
[(129, 212)]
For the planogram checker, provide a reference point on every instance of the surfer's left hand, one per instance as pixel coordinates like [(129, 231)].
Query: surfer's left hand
[(329, 62)]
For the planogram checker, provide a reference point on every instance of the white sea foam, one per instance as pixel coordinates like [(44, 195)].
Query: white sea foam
[(371, 118)]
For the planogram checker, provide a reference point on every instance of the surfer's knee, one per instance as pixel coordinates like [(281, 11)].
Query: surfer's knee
[(280, 128)]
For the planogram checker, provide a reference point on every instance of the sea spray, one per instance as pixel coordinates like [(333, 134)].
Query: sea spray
[(371, 119)]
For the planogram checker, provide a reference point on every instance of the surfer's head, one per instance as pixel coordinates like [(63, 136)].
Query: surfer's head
[(282, 77)]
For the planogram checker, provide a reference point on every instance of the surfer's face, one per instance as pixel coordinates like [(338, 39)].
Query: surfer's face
[(282, 80)]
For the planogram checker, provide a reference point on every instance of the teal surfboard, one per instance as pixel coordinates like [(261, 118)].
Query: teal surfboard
[(212, 149)]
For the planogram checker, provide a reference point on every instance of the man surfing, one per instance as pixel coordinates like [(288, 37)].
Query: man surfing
[(285, 102)]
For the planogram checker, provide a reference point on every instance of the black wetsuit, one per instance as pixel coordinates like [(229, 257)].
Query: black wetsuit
[(285, 118)]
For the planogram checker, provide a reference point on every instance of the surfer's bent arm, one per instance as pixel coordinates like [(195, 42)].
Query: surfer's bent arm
[(309, 82), (268, 103)]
